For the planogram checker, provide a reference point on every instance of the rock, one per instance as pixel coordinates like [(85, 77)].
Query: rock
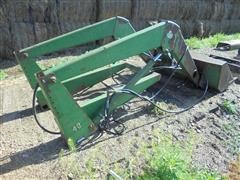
[(213, 108), (192, 124), (152, 127), (216, 123), (211, 116), (119, 140), (149, 146), (135, 146), (133, 151), (182, 130), (70, 176), (169, 122), (218, 135), (176, 136), (198, 130), (199, 116), (149, 138), (216, 148), (199, 146)]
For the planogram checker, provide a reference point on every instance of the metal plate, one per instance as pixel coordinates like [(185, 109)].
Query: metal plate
[(228, 45), (216, 71)]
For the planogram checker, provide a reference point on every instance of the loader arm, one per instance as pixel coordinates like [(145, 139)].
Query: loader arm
[(165, 35), (58, 83), (116, 27)]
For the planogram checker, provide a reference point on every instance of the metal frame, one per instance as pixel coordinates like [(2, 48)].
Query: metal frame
[(58, 83)]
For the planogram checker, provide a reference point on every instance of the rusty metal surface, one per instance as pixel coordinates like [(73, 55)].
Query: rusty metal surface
[(216, 71), (228, 45), (231, 60), (231, 57)]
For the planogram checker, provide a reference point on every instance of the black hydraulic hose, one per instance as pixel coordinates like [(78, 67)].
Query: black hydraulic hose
[(35, 112), (171, 76), (104, 125), (129, 91)]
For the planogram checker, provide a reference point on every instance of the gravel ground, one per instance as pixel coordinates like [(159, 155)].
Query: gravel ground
[(28, 152)]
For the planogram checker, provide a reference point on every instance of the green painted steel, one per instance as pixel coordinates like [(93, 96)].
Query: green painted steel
[(94, 106), (119, 98), (139, 87), (81, 36), (117, 27), (29, 67), (73, 122), (86, 80), (133, 44), (58, 83), (93, 77)]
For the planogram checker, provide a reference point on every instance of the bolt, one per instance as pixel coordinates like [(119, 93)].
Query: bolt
[(25, 54), (80, 140), (53, 78), (40, 75), (92, 127), (170, 35)]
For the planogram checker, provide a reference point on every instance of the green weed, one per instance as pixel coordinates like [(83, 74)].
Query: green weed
[(88, 168), (165, 160), (170, 161), (157, 158), (163, 105), (3, 75), (229, 107)]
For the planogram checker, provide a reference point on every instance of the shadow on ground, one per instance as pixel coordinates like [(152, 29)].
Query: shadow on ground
[(36, 155), (50, 150), (17, 114)]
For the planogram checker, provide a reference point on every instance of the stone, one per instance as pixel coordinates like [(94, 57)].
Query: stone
[(198, 130), (70, 176), (216, 148), (135, 146), (199, 116), (152, 127), (216, 123), (213, 108)]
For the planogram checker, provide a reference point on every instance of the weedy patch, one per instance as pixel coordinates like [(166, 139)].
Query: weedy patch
[(3, 75), (160, 157), (93, 165), (162, 105), (212, 41), (229, 107), (234, 141), (164, 159)]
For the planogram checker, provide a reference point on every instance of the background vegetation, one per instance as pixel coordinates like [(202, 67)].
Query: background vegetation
[(212, 41)]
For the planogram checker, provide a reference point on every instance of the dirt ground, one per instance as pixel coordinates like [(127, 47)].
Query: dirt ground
[(28, 152)]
